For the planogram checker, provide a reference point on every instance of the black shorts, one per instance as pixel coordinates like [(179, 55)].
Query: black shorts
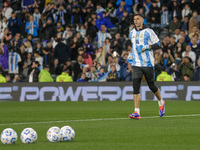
[(138, 72)]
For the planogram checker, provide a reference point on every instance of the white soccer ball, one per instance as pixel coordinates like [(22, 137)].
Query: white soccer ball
[(8, 136), (53, 134), (67, 133), (28, 135)]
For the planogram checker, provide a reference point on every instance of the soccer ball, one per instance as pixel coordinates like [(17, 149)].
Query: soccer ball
[(67, 133), (28, 135), (53, 134), (8, 136)]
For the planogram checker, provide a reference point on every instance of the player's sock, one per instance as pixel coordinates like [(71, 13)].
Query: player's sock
[(160, 103), (138, 110)]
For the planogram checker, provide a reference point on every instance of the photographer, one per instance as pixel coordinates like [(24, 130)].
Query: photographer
[(174, 72)]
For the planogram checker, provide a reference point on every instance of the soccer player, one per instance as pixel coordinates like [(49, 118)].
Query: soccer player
[(144, 41)]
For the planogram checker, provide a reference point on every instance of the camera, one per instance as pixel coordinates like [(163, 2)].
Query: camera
[(173, 65)]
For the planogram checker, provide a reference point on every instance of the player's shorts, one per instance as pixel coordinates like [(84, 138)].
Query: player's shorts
[(138, 72)]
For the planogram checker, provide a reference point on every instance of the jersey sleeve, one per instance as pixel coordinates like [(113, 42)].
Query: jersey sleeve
[(153, 37)]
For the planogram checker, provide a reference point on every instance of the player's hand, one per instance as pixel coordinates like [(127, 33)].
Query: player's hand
[(141, 48)]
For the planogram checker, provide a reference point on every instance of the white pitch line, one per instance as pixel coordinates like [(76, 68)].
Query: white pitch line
[(101, 119)]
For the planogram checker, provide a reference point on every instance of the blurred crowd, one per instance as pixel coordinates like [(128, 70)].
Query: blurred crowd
[(88, 40)]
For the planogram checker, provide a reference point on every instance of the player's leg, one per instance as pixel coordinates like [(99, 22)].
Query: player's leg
[(148, 73), (137, 77)]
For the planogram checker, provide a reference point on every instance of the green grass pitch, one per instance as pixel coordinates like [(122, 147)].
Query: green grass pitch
[(96, 128)]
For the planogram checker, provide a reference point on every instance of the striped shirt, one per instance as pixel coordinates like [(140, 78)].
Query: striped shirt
[(143, 37), (14, 59), (102, 37)]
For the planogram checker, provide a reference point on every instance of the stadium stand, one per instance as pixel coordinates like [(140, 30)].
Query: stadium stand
[(27, 27)]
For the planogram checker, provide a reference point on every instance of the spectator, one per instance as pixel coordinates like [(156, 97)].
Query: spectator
[(92, 29), (100, 74), (175, 10), (102, 35), (38, 58), (163, 76), (49, 30), (117, 44), (27, 64), (193, 21), (74, 45), (16, 79), (173, 25), (2, 78), (66, 32), (3, 26), (77, 67), (7, 36), (99, 8), (101, 55), (174, 72), (154, 15), (47, 59), (87, 46), (83, 78), (196, 76), (13, 60), (87, 58), (172, 45), (178, 58), (8, 80), (125, 22), (111, 12), (144, 11), (14, 24), (33, 72), (121, 9), (186, 67), (4, 56), (37, 15), (123, 65), (23, 56), (177, 35), (64, 77), (102, 20), (56, 68), (32, 27), (166, 59), (29, 48), (189, 53), (59, 28), (164, 16), (58, 39), (186, 77), (50, 47), (68, 66), (81, 30), (113, 75), (76, 13), (128, 4), (185, 23), (186, 11), (7, 10), (44, 75), (15, 43), (62, 52), (195, 30), (79, 38), (115, 62), (61, 14), (127, 73)]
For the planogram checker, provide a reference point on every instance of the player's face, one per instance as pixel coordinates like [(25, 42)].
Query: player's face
[(138, 21)]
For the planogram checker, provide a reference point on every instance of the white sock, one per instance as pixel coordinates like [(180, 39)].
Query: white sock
[(138, 110), (160, 103)]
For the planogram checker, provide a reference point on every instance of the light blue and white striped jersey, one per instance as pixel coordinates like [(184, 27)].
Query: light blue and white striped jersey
[(102, 37), (143, 37), (14, 59)]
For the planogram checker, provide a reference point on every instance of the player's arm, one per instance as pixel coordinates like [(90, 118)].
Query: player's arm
[(155, 46)]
